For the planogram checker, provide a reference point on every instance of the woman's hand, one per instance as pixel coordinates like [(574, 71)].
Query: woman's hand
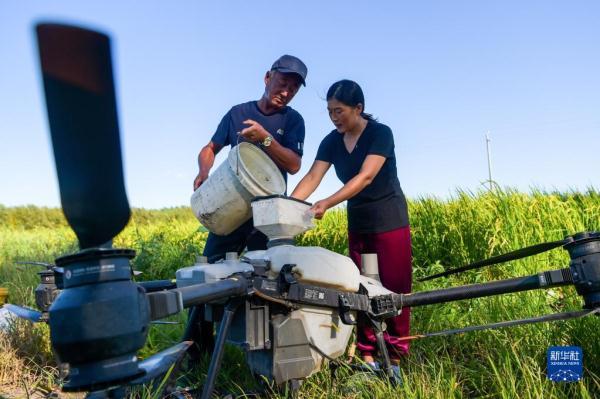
[(319, 208)]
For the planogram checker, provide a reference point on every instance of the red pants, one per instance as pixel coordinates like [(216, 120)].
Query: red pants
[(394, 257)]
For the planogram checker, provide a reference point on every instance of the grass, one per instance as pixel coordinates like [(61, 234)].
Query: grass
[(26, 363), (503, 363)]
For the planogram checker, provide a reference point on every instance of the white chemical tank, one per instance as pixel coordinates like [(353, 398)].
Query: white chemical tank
[(314, 265), (326, 331), (203, 272)]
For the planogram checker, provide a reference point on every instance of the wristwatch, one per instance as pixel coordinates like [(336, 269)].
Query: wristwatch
[(267, 141)]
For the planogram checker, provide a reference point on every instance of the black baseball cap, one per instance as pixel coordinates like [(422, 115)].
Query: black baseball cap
[(290, 64)]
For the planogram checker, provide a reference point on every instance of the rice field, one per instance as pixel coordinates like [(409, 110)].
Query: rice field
[(504, 363)]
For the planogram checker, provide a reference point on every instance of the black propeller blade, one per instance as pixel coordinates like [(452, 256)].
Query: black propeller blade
[(80, 99), (24, 313), (514, 255)]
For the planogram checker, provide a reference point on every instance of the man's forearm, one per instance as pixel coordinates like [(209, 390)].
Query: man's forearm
[(284, 157), (206, 160)]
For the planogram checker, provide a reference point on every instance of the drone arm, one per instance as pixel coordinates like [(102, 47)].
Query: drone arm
[(203, 293), (169, 302), (547, 279)]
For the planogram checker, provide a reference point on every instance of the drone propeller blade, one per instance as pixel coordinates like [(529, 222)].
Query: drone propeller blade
[(80, 99), (158, 364), (514, 255), (24, 313)]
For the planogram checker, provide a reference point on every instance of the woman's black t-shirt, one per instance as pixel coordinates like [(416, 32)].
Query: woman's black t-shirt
[(381, 206)]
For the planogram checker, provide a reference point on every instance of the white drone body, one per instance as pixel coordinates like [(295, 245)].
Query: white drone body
[(285, 344)]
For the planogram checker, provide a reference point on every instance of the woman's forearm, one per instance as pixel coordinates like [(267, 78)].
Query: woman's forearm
[(311, 181), (350, 189), (370, 168), (306, 187)]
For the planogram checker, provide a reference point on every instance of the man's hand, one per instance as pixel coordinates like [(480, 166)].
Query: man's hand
[(254, 132), (283, 157), (319, 208), (199, 180), (206, 159)]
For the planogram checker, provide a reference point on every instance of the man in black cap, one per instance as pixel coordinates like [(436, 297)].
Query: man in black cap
[(268, 123), (276, 128)]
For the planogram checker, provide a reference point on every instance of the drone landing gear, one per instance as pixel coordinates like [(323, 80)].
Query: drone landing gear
[(200, 332), (386, 371), (385, 357), (217, 356)]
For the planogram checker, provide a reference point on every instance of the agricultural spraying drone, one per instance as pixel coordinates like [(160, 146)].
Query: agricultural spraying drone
[(275, 304)]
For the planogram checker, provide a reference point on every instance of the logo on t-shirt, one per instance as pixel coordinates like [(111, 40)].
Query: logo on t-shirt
[(280, 132)]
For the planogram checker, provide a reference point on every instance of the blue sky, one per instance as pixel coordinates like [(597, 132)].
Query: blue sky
[(440, 74)]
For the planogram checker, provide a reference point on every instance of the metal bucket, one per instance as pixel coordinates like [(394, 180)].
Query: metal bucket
[(222, 202)]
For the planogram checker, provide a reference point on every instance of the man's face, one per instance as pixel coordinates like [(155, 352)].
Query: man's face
[(280, 88)]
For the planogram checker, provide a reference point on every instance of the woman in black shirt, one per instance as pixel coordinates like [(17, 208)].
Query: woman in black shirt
[(362, 153)]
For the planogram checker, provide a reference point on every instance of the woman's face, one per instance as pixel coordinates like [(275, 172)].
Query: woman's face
[(344, 117)]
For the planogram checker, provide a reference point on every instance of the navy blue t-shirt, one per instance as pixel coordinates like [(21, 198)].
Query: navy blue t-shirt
[(381, 206), (286, 126)]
